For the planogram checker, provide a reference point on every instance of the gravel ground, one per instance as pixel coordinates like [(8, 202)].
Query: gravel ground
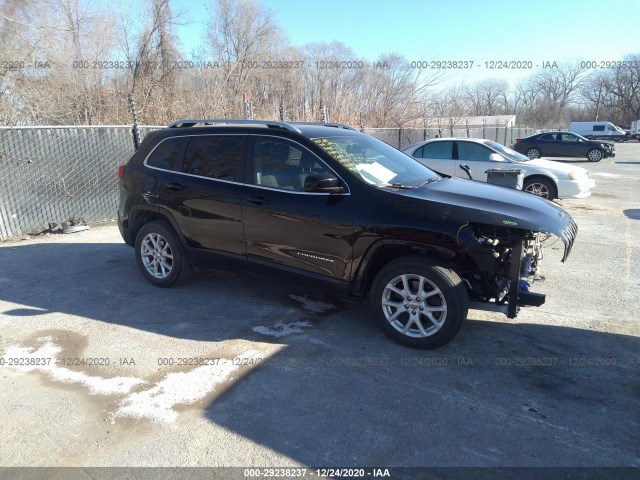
[(236, 369)]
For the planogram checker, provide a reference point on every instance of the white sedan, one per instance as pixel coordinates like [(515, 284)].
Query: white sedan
[(545, 178)]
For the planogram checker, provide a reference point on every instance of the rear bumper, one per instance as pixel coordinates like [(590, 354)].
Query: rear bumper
[(124, 232)]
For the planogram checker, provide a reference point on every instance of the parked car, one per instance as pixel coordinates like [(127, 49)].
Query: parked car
[(564, 144), (544, 178), (598, 131), (338, 207)]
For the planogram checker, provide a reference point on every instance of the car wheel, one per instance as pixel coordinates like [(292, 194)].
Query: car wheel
[(541, 187), (160, 255), (419, 303), (534, 153), (594, 155), (589, 137)]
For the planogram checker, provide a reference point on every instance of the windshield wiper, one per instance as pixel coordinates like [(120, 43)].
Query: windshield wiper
[(428, 181), (396, 185)]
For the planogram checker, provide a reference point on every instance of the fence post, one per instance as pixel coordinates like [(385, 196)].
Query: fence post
[(400, 138), (134, 130), (505, 135)]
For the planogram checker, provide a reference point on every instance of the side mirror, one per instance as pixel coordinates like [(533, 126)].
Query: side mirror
[(496, 157), (322, 183)]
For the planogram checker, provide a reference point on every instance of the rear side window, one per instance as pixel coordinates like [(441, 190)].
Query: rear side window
[(548, 138), (168, 154), (473, 152), (598, 128), (439, 150), (215, 156)]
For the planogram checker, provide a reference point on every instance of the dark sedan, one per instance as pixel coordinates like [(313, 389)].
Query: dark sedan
[(564, 144)]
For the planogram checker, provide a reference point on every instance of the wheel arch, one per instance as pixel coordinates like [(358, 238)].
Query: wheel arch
[(541, 176), (386, 250), (140, 215)]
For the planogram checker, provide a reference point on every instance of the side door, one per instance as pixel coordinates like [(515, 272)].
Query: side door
[(550, 145), (476, 156), (286, 226), (572, 146), (438, 156), (204, 192)]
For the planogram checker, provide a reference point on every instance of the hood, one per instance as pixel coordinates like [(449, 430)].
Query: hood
[(463, 201)]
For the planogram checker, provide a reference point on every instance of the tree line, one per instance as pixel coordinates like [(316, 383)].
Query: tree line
[(76, 61)]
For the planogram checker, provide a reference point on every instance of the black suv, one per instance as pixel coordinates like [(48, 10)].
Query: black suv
[(338, 206)]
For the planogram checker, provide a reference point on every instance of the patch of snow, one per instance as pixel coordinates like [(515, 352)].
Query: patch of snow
[(180, 326), (47, 354), (179, 388), (281, 329), (312, 305)]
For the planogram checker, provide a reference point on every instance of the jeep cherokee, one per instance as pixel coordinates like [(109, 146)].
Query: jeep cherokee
[(338, 206)]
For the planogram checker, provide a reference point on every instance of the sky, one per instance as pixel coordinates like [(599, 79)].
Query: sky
[(479, 31)]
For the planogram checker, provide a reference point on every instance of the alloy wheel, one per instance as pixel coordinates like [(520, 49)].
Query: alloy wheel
[(157, 256), (414, 306)]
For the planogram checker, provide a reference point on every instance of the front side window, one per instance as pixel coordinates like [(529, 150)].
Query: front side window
[(214, 156), (168, 155), (279, 163), (567, 137), (473, 152)]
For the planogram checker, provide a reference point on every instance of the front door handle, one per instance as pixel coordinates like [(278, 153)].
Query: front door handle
[(175, 186), (258, 200)]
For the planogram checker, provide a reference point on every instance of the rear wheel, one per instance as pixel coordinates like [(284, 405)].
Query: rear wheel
[(419, 303), (594, 155), (541, 187), (589, 137), (160, 255), (534, 153)]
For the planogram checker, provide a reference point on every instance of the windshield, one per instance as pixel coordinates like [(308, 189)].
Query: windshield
[(507, 152), (375, 162)]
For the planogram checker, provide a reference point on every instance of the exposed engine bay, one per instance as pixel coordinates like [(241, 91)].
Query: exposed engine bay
[(500, 264)]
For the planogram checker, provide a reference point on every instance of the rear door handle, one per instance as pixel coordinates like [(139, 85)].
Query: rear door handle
[(258, 200), (175, 186)]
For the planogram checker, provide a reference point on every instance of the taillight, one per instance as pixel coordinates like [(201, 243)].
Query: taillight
[(518, 140), (121, 171)]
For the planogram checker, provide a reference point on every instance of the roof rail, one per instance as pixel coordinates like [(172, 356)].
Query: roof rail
[(231, 121), (325, 124)]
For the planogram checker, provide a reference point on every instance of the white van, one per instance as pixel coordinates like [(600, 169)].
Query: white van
[(599, 130), (635, 130)]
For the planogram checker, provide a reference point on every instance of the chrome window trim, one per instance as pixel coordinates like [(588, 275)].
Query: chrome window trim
[(348, 192)]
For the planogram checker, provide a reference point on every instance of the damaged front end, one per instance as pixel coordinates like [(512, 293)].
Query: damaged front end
[(501, 263)]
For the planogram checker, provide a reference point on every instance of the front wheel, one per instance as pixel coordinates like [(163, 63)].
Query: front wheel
[(160, 256), (419, 303), (594, 155), (540, 187)]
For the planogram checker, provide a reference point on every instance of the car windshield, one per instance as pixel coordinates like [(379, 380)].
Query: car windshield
[(375, 162), (507, 152)]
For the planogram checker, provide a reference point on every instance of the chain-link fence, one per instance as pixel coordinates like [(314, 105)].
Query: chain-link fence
[(401, 138), (51, 175)]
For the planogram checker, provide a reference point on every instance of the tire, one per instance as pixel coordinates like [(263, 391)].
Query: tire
[(589, 137), (541, 187), (160, 255), (595, 155), (409, 322), (534, 153)]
